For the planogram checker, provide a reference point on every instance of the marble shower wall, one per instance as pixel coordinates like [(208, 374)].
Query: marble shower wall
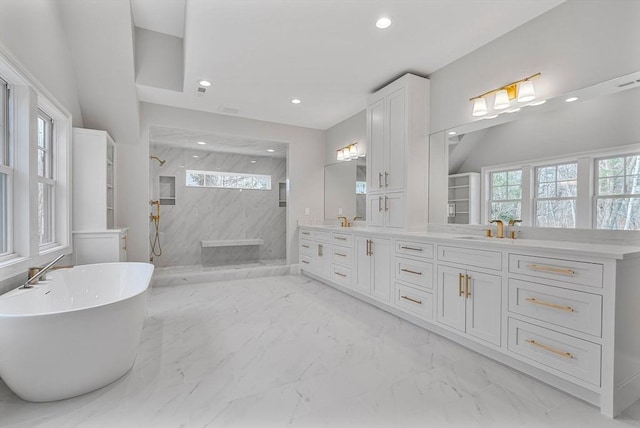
[(212, 214)]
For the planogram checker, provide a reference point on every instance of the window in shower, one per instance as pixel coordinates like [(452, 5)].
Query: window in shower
[(228, 180)]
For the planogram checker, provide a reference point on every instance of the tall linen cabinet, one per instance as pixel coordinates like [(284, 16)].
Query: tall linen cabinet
[(95, 237), (397, 129)]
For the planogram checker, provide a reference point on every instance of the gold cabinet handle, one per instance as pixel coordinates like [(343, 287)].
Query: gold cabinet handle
[(379, 203), (370, 247), (340, 254), (386, 203), (380, 180), (551, 269), (320, 248), (305, 262), (549, 305), (125, 242), (305, 246), (305, 233), (467, 293), (411, 248), (386, 178), (549, 349), (340, 274), (340, 238), (412, 300), (460, 276), (410, 271)]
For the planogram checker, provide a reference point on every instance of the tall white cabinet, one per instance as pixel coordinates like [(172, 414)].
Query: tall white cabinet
[(397, 129), (95, 237)]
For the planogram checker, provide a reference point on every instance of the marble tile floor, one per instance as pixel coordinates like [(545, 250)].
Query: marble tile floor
[(291, 352)]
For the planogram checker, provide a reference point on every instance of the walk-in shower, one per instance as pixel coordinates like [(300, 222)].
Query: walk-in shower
[(223, 199)]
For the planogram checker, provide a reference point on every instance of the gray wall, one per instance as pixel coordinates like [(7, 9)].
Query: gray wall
[(212, 214)]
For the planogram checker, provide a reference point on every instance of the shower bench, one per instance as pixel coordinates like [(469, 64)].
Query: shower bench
[(231, 242)]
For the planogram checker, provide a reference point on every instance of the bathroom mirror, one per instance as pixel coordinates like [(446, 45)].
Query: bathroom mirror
[(345, 189), (600, 123)]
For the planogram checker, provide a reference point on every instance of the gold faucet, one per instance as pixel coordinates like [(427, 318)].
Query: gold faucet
[(344, 222), (357, 218), (500, 231), (512, 233)]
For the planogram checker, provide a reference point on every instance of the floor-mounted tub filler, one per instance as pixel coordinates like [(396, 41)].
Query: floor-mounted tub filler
[(73, 333)]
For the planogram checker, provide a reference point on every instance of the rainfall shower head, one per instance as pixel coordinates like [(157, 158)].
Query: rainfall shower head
[(158, 159)]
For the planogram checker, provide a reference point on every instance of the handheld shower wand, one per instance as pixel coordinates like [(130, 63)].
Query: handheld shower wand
[(158, 159)]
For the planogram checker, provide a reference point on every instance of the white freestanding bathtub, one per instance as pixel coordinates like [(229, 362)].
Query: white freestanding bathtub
[(73, 333)]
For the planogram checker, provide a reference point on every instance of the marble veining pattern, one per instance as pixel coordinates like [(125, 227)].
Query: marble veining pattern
[(289, 351), (218, 214)]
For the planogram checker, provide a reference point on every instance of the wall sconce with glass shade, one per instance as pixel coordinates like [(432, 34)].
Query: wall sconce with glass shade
[(521, 90), (350, 152)]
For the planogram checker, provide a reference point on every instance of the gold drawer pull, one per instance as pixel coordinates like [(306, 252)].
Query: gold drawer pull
[(340, 274), (550, 349), (412, 300), (305, 246), (411, 248), (411, 271), (551, 269), (305, 262), (340, 254), (550, 305), (460, 276), (342, 238), (305, 233)]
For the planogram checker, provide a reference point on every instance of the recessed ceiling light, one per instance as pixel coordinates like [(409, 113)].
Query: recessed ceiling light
[(571, 99), (253, 161), (202, 143), (296, 101), (270, 150), (538, 103), (452, 132), (383, 23), (204, 83), (196, 156)]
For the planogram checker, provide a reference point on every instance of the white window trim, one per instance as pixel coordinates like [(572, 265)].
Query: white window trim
[(586, 190), (27, 96)]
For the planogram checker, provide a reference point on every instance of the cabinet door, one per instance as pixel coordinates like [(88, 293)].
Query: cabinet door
[(363, 265), (451, 300), (396, 140), (394, 209), (375, 210), (484, 306), (381, 281), (375, 149), (325, 255)]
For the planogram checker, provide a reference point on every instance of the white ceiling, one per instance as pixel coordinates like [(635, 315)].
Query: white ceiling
[(261, 53), (187, 139), (163, 16)]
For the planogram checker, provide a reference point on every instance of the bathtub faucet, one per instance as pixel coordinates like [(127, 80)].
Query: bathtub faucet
[(34, 278)]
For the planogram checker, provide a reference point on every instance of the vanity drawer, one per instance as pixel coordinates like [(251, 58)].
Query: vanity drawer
[(306, 247), (414, 249), (468, 256), (306, 234), (343, 239), (315, 235), (416, 302), (570, 271), (568, 354), (342, 255), (567, 308), (414, 272), (342, 275), (306, 263)]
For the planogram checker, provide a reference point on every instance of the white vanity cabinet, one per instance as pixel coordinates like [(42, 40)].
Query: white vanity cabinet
[(397, 125), (372, 263), (565, 313), (95, 237)]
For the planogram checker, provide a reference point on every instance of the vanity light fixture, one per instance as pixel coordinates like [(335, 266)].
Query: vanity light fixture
[(204, 83), (383, 23), (571, 99), (521, 89), (348, 153)]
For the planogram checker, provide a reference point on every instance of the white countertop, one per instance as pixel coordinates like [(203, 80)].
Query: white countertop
[(579, 248)]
